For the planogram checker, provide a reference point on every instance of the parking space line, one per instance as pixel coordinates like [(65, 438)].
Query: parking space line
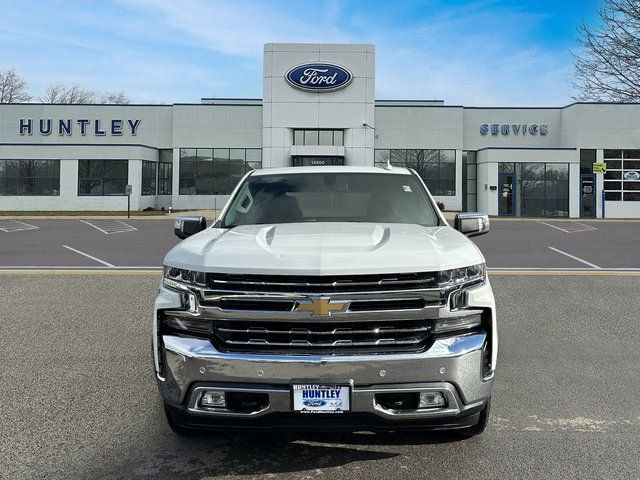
[(578, 259), (587, 228), (89, 256), (110, 226), (9, 226)]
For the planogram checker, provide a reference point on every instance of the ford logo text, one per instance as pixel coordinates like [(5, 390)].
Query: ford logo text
[(314, 403), (319, 77)]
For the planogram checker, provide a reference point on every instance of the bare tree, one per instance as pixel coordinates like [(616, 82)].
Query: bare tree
[(119, 98), (608, 66), (61, 93), (13, 89)]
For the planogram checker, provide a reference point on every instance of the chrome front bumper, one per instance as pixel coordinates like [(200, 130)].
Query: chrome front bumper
[(453, 366)]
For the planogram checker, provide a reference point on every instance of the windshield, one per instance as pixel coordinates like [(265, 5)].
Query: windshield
[(330, 197)]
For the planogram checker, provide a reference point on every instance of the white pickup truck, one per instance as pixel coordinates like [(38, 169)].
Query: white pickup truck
[(327, 297)]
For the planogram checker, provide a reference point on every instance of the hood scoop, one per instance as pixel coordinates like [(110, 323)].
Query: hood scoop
[(336, 237)]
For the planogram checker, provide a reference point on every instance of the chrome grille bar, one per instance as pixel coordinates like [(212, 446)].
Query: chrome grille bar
[(335, 331), (336, 343), (321, 284)]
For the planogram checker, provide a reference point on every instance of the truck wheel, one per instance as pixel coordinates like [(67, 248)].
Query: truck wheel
[(175, 425), (479, 427)]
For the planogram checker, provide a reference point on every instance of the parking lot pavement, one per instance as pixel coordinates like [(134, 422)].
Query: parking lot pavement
[(88, 243), (522, 244), (79, 398), (143, 243)]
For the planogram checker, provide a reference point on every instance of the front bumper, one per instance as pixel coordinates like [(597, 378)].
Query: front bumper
[(454, 366)]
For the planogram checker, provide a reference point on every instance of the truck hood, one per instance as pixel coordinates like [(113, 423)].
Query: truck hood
[(325, 249)]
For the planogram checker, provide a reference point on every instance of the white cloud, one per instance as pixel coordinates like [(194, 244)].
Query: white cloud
[(481, 53)]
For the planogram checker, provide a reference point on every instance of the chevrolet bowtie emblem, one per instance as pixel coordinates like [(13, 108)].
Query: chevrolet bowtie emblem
[(321, 306)]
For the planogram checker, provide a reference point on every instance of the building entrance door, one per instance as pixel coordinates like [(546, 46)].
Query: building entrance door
[(507, 194), (587, 195)]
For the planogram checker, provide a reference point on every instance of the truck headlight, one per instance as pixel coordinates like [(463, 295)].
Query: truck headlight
[(184, 277), (461, 276)]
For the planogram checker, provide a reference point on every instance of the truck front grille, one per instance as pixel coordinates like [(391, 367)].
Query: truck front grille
[(269, 305), (323, 337), (271, 314), (321, 284)]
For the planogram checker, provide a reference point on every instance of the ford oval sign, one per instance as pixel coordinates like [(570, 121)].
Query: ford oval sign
[(631, 175), (319, 77)]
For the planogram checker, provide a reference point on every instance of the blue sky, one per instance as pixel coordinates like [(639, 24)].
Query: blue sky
[(483, 52)]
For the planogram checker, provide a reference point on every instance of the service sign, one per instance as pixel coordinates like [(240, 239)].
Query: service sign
[(319, 77)]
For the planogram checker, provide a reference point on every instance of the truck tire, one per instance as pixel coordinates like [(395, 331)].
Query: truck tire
[(175, 424), (479, 427)]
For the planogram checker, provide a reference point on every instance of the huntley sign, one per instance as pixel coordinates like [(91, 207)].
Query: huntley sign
[(319, 77), (67, 127)]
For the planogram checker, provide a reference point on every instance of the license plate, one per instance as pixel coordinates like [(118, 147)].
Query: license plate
[(321, 398)]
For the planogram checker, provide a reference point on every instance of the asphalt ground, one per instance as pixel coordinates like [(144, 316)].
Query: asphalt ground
[(142, 243), (79, 398)]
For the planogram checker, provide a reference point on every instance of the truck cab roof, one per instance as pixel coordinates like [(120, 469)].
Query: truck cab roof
[(331, 169)]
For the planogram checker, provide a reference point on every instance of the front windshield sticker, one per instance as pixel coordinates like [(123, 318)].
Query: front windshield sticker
[(406, 188)]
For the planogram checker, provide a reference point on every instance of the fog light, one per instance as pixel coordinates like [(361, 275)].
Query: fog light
[(213, 399), (431, 400)]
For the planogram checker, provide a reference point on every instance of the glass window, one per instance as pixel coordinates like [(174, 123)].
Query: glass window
[(165, 178), (102, 177), (207, 171), (631, 154), (469, 181), (331, 197), (612, 154), (165, 171), (318, 137), (30, 177), (311, 137), (148, 178), (338, 138), (221, 172), (381, 157), (187, 179), (613, 165), (236, 166), (325, 137), (253, 154), (204, 171), (165, 155), (506, 168), (631, 196), (436, 167), (615, 196), (630, 165), (398, 158), (587, 159), (544, 189)]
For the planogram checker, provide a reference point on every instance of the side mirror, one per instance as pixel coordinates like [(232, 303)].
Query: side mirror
[(189, 225), (472, 224)]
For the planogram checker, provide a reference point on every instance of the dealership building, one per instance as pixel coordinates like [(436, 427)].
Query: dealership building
[(319, 108)]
